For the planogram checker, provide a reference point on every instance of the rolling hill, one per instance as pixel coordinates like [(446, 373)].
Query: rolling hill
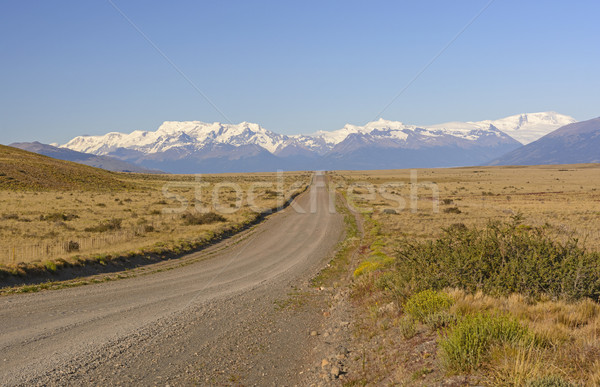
[(98, 161), (23, 170)]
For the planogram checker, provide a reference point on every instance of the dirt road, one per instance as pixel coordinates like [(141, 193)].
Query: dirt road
[(215, 321)]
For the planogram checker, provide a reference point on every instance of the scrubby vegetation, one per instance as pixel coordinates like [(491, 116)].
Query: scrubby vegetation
[(107, 225), (58, 216), (424, 304), (500, 301), (193, 218), (500, 259), (508, 296), (468, 344)]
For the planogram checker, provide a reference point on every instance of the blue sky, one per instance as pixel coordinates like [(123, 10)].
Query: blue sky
[(78, 67)]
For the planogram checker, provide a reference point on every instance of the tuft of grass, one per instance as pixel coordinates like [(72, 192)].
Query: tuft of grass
[(376, 260), (407, 326), (191, 218), (420, 374), (107, 225), (50, 266), (452, 210), (549, 381), (439, 320), (58, 217), (426, 303), (466, 347)]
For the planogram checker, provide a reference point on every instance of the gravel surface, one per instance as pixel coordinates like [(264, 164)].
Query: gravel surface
[(242, 314)]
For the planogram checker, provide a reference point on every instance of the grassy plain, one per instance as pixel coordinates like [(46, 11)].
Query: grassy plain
[(477, 332), (53, 211)]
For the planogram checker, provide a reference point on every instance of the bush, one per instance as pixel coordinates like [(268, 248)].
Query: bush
[(50, 266), (71, 246), (58, 217), (438, 320), (271, 193), (192, 218), (107, 225), (501, 259), (452, 210), (426, 303), (467, 345), (407, 326)]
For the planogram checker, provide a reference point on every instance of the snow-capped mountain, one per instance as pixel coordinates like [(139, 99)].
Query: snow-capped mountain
[(571, 144), (173, 134), (194, 146), (524, 128)]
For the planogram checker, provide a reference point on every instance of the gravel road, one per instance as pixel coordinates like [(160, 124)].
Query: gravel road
[(212, 322)]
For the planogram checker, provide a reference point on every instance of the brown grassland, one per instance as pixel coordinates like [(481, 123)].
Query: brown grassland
[(415, 329), (55, 213), (490, 277)]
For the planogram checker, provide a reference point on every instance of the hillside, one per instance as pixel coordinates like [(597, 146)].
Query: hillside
[(571, 144), (23, 170), (104, 162)]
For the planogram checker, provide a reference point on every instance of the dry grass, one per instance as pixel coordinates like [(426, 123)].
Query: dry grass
[(564, 199), (22, 170), (37, 225), (567, 197), (568, 336)]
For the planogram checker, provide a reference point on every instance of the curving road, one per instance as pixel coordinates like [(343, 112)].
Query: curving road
[(212, 321)]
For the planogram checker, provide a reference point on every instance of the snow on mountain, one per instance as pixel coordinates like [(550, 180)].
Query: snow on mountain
[(395, 128), (172, 134), (524, 128), (200, 140)]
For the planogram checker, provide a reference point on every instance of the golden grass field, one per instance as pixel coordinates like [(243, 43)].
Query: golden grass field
[(567, 197), (37, 225), (52, 209), (399, 351)]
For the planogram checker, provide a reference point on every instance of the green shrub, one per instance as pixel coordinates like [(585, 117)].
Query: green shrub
[(501, 259), (426, 303), (192, 218), (50, 266), (438, 320), (407, 326), (467, 345)]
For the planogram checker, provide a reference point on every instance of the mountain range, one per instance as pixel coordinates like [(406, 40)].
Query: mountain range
[(571, 144), (198, 147)]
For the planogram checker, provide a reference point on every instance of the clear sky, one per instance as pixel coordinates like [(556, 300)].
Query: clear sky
[(79, 67)]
